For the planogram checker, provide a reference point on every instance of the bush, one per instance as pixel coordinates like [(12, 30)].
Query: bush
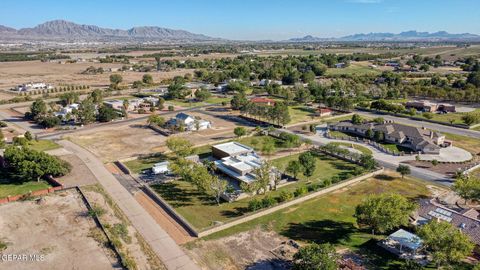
[(254, 205), (171, 108), (141, 111), (300, 191), (335, 179), (268, 201), (285, 196), (2, 124)]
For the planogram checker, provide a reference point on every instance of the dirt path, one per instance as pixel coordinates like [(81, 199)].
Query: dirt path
[(177, 232)]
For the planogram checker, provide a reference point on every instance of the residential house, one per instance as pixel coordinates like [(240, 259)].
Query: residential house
[(238, 161), (33, 86), (189, 122), (417, 139), (323, 112), (466, 220), (162, 167), (67, 110)]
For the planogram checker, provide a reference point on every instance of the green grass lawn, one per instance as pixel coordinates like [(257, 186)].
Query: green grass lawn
[(8, 188), (301, 114), (202, 211), (360, 148), (257, 142), (187, 104), (43, 145), (329, 218), (339, 134), (353, 69), (455, 118)]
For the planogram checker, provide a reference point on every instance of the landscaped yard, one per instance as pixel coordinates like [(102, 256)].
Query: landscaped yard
[(257, 142), (353, 69), (7, 188), (202, 212), (43, 145), (300, 114), (329, 218)]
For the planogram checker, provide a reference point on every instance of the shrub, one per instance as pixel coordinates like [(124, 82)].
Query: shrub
[(335, 179), (171, 108), (268, 201), (285, 196), (300, 191), (254, 205), (327, 182)]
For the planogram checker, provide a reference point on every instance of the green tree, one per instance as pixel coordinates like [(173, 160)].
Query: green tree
[(38, 108), (115, 80), (97, 96), (427, 115), (316, 257), (161, 103), (262, 177), (384, 212), (471, 118), (86, 111), (403, 170), (176, 91), (179, 146), (202, 94), (147, 79), (294, 167), (2, 139), (356, 119), (106, 114), (447, 244), (308, 162), (378, 136), (155, 119), (467, 187), (367, 161), (240, 131), (268, 146), (369, 134), (239, 101)]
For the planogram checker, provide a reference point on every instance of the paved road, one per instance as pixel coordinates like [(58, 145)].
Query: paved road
[(439, 127), (385, 160), (163, 245)]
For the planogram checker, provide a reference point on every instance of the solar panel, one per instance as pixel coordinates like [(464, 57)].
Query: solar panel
[(443, 212), (440, 216)]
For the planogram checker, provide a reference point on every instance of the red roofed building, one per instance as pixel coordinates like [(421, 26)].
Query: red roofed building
[(263, 100), (324, 112)]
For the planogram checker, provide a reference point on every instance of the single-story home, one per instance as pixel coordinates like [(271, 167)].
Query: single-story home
[(263, 101), (323, 112), (189, 122), (417, 139), (427, 106)]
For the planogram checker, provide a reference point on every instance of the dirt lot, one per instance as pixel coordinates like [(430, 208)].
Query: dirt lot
[(15, 73), (58, 227), (119, 228), (120, 141), (80, 174), (235, 252)]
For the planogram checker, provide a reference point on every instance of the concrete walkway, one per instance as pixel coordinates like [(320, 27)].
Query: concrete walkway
[(163, 245)]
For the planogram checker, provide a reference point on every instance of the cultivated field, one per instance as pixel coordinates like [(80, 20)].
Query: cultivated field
[(56, 227)]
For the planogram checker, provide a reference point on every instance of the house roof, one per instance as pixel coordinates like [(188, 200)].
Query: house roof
[(183, 116), (233, 148), (469, 225)]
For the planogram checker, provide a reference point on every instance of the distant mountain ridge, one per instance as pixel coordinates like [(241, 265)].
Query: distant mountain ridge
[(403, 36), (65, 30)]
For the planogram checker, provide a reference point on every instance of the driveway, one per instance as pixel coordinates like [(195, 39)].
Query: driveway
[(433, 126), (388, 161), (164, 246)]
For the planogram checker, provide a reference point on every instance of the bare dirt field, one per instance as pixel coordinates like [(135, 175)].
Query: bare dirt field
[(80, 175), (120, 141), (133, 246), (235, 252), (15, 73), (56, 227)]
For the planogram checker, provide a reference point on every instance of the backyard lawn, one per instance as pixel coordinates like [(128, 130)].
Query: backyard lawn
[(8, 188), (300, 114), (187, 104), (43, 145), (353, 69), (257, 142), (202, 211), (329, 218)]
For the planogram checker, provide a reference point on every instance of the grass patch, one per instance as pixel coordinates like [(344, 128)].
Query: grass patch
[(8, 188), (353, 69), (300, 114), (202, 211), (43, 145), (329, 218), (360, 148), (257, 142)]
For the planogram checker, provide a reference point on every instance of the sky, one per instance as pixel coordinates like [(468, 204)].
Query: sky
[(254, 19)]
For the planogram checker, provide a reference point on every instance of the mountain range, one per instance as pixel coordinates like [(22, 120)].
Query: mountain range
[(62, 30), (403, 36)]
